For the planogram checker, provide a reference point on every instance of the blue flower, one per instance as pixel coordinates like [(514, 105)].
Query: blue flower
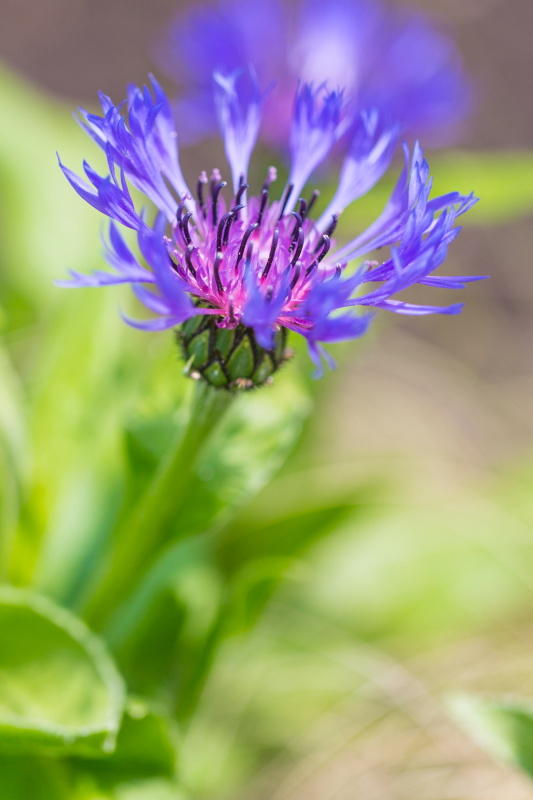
[(394, 61), (254, 261)]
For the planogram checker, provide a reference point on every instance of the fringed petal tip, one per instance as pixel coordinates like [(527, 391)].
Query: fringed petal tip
[(238, 105)]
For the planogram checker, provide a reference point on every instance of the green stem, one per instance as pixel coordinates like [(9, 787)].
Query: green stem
[(189, 695), (151, 521)]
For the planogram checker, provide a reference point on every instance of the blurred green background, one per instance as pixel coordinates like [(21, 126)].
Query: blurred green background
[(407, 576)]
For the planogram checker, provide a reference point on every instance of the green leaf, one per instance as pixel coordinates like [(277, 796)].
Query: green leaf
[(291, 514), (22, 778), (146, 745), (502, 727), (39, 779), (142, 767), (59, 689)]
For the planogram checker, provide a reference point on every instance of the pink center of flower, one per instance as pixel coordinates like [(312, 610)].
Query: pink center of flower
[(218, 249)]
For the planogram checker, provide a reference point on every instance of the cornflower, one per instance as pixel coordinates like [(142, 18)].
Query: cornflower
[(234, 267)]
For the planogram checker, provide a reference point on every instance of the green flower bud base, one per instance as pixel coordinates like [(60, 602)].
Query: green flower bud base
[(229, 358)]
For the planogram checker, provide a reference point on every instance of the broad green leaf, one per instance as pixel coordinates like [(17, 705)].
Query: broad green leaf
[(142, 767), (59, 690), (503, 727)]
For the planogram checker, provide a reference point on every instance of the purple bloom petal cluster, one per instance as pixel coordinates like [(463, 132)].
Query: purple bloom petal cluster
[(261, 259), (391, 60)]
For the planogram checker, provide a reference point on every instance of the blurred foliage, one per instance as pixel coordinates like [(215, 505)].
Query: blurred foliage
[(502, 180), (307, 577), (503, 726)]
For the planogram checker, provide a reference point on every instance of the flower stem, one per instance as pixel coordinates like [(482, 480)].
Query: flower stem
[(151, 522), (189, 697)]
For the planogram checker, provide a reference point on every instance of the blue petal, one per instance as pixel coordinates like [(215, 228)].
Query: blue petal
[(315, 129), (158, 324), (369, 157), (105, 195), (238, 101), (263, 308)]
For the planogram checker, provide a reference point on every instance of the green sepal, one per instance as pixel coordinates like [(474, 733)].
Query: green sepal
[(198, 349), (241, 362), (229, 358), (214, 375), (264, 370)]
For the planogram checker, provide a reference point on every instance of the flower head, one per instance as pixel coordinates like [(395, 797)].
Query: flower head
[(387, 59), (238, 267)]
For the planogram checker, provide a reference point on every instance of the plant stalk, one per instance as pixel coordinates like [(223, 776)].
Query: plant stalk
[(151, 522)]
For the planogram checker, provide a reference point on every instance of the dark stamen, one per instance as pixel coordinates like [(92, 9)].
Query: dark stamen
[(325, 244), (174, 266), (188, 259), (240, 192), (312, 200), (233, 214), (179, 211), (184, 227), (285, 200), (302, 207), (270, 259), (202, 181), (332, 225), (311, 267), (215, 192), (338, 270), (264, 201), (297, 224), (248, 232), (295, 279), (216, 271), (222, 228), (299, 247)]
